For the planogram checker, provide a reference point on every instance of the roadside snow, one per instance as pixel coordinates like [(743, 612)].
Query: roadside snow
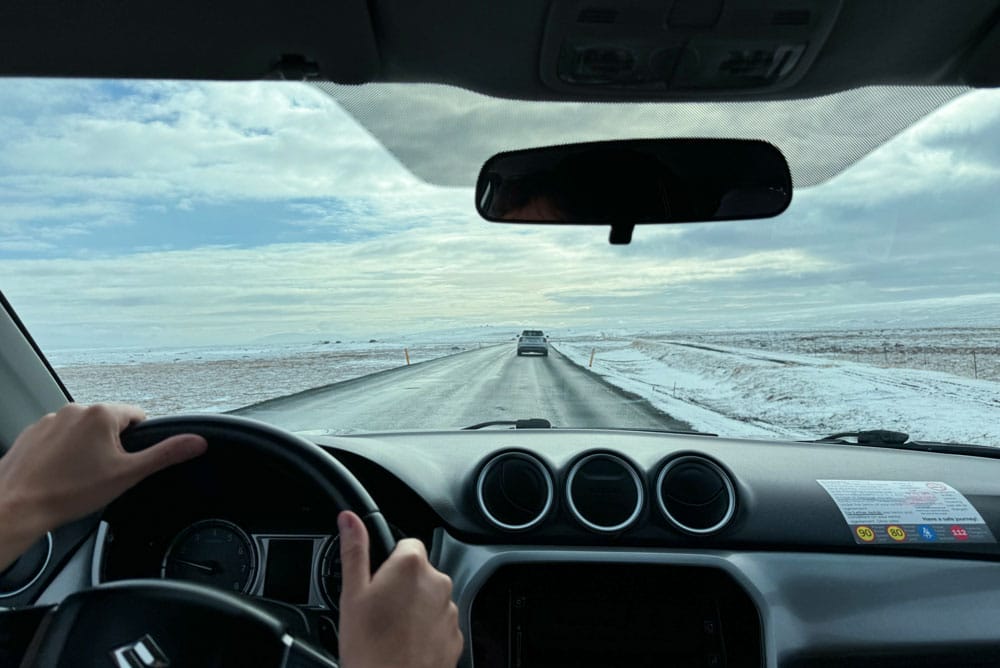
[(753, 393)]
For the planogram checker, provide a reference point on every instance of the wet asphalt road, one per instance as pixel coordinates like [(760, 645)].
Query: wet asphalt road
[(491, 383)]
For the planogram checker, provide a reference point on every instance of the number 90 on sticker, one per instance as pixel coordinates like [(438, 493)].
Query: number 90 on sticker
[(865, 533)]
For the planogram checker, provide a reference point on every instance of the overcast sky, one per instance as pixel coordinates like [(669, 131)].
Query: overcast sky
[(189, 213)]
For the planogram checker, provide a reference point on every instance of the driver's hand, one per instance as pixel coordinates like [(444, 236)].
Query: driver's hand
[(70, 464), (402, 616)]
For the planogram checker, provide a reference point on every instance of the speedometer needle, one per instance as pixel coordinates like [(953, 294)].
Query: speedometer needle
[(194, 564)]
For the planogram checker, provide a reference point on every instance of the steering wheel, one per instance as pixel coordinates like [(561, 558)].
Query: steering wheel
[(153, 623)]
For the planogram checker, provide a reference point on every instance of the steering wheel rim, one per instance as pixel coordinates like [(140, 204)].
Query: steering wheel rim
[(330, 477), (194, 621), (159, 623)]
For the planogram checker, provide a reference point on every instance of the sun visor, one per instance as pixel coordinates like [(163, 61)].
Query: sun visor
[(444, 134), (227, 40)]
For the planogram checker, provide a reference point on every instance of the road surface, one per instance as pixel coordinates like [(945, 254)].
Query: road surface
[(460, 390)]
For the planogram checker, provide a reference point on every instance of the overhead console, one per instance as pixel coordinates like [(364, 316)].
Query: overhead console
[(589, 615), (696, 46)]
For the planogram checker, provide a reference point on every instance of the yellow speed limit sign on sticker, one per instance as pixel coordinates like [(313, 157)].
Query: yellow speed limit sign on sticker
[(865, 533), (896, 533)]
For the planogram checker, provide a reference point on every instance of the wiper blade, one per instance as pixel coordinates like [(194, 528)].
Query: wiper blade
[(541, 423), (869, 437), (528, 423), (885, 438), (682, 432)]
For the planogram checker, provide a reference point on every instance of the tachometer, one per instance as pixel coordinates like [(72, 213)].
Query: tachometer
[(331, 576), (212, 552)]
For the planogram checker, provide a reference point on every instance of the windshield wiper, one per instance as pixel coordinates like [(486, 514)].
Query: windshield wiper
[(885, 438), (528, 423), (875, 437), (682, 432), (541, 423)]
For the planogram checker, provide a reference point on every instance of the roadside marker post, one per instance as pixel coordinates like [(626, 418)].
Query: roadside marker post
[(407, 353), (592, 351)]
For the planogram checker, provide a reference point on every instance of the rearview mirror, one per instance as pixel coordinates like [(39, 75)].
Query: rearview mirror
[(628, 183)]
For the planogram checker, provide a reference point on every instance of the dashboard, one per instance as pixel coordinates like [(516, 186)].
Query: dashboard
[(598, 548)]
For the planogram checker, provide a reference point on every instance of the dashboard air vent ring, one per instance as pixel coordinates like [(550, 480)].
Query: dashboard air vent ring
[(515, 491), (604, 493), (695, 494)]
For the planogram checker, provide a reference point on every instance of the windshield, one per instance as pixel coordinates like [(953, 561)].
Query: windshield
[(257, 248)]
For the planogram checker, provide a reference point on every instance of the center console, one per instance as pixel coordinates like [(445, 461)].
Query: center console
[(604, 615)]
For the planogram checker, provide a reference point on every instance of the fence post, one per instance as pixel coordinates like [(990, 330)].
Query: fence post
[(975, 367), (407, 353), (592, 351)]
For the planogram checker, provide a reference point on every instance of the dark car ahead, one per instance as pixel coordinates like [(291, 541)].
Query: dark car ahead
[(532, 341)]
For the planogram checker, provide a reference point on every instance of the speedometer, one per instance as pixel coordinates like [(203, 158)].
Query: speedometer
[(212, 552)]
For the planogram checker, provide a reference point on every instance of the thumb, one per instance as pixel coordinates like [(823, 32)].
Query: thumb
[(353, 554), (167, 452)]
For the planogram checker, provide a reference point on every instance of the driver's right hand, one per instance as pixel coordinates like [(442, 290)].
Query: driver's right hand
[(402, 615)]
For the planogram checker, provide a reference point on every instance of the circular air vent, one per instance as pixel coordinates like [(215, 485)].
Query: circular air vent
[(604, 492), (514, 491), (26, 570), (695, 494)]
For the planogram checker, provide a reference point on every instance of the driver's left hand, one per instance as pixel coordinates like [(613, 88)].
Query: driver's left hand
[(72, 463)]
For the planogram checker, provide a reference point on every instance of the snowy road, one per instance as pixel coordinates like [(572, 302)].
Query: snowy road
[(459, 390)]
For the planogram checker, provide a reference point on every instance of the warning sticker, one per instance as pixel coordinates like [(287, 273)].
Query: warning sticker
[(895, 512)]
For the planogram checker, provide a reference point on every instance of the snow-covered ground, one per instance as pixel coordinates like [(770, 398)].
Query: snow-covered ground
[(165, 381), (810, 384)]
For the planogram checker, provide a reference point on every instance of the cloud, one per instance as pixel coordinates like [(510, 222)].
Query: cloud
[(169, 140), (176, 213), (397, 283)]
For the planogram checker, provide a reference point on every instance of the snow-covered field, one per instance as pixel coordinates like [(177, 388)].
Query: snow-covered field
[(810, 384), (167, 381)]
